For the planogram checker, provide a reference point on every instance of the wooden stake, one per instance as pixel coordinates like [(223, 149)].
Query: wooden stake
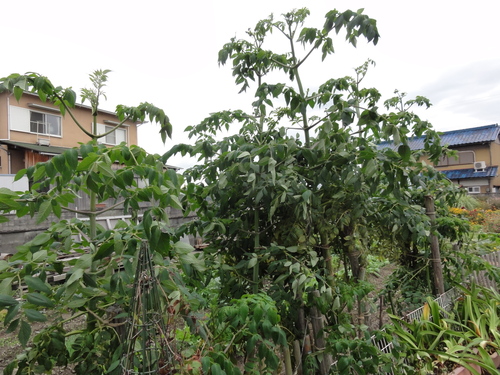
[(437, 267)]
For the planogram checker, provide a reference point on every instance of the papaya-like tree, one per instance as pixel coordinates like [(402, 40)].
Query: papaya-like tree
[(102, 260), (304, 173)]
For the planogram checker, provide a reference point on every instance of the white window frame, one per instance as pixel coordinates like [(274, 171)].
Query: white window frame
[(45, 125), (111, 138), (473, 189), (20, 120)]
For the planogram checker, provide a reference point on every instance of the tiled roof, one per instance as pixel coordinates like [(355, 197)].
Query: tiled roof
[(468, 173), (481, 134)]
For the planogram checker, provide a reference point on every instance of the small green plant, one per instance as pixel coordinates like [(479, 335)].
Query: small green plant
[(356, 353), (440, 340)]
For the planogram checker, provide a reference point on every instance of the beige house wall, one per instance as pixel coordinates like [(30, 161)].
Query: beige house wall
[(488, 152), (71, 133)]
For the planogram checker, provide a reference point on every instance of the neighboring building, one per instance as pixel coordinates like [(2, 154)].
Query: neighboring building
[(33, 131), (476, 166)]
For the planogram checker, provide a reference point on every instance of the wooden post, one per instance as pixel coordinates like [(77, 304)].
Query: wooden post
[(297, 354), (288, 360), (437, 267), (325, 360)]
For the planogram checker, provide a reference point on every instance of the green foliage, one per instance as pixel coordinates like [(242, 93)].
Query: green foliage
[(303, 177), (357, 354), (98, 278), (440, 338), (249, 327)]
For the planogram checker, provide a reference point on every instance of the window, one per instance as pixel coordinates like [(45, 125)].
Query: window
[(474, 189), (43, 123), (25, 120), (463, 157), (113, 138)]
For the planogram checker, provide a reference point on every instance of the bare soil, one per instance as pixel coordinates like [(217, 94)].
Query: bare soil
[(377, 316)]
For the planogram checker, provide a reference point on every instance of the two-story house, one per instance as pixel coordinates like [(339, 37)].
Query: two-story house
[(33, 131), (478, 156)]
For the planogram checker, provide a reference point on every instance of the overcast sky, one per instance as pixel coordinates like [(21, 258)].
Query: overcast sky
[(165, 52)]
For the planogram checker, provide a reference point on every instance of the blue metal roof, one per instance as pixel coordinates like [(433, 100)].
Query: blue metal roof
[(462, 174), (481, 134)]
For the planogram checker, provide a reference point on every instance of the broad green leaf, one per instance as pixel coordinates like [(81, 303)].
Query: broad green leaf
[(76, 303), (105, 250), (11, 314), (37, 284), (39, 300), (6, 286), (87, 161), (183, 247), (84, 262), (72, 158), (243, 154), (40, 239), (3, 265), (59, 162), (35, 316), (40, 256), (6, 300), (252, 262), (24, 333), (105, 169), (176, 203), (44, 211), (75, 276), (405, 152)]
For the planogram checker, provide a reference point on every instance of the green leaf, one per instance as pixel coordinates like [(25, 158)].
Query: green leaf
[(105, 169), (37, 284), (6, 301), (405, 152), (72, 158), (113, 366), (60, 163), (39, 300), (24, 333), (6, 286), (175, 202), (252, 262), (105, 250), (40, 256), (35, 316), (183, 248), (11, 313), (44, 211), (84, 262), (76, 303), (3, 265), (75, 276), (40, 239), (9, 369)]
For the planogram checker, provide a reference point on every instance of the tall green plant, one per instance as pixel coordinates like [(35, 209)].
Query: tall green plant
[(97, 278), (303, 177)]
